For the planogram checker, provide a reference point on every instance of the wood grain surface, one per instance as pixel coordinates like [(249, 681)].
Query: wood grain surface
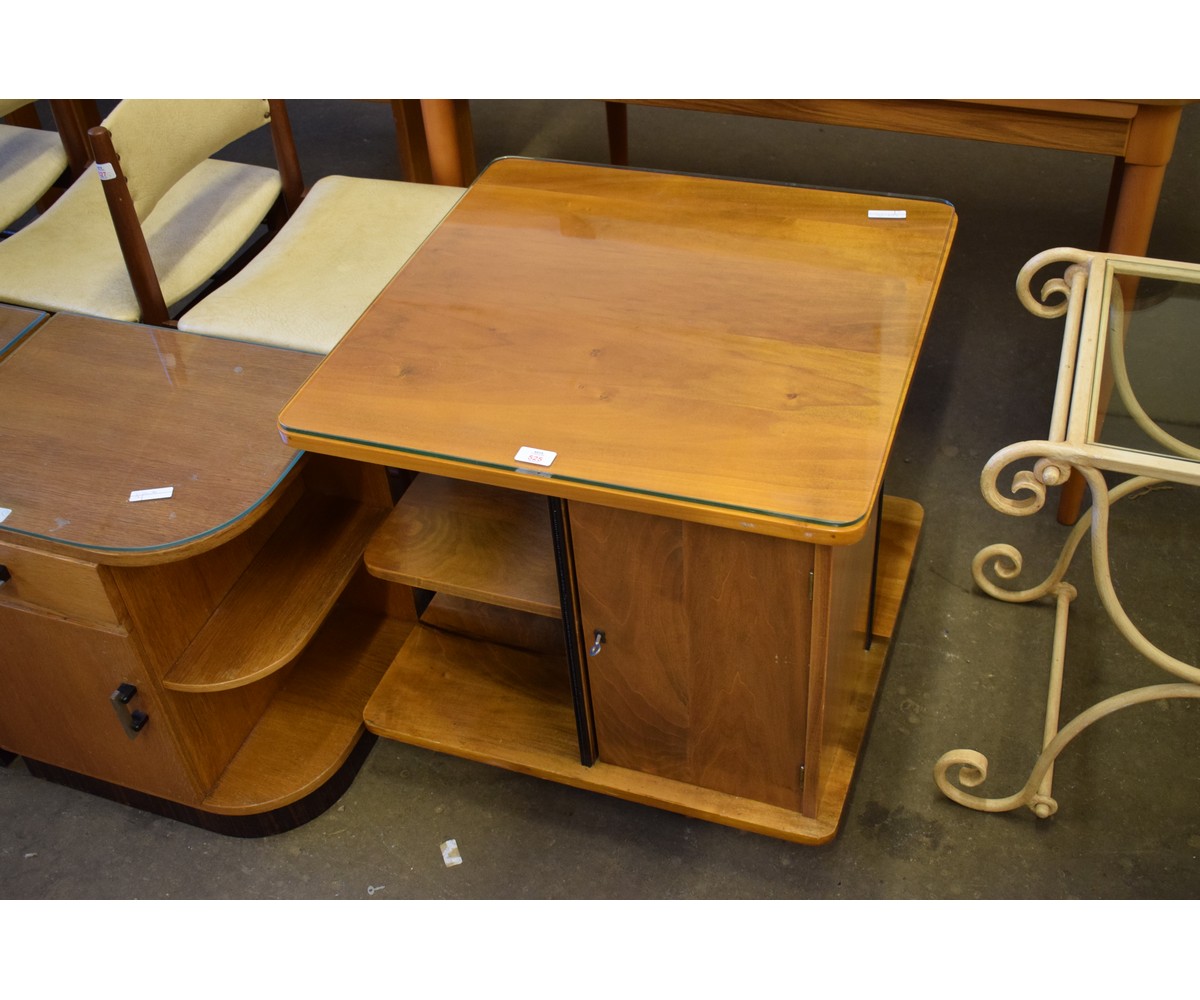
[(704, 673), (725, 351), (93, 410), (475, 541)]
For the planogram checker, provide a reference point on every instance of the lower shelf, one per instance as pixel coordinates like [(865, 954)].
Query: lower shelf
[(511, 707), (315, 719), (501, 704)]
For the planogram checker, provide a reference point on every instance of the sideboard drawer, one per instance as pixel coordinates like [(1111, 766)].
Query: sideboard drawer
[(56, 584)]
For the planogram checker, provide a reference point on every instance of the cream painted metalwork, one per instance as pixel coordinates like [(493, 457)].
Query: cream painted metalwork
[(1095, 293)]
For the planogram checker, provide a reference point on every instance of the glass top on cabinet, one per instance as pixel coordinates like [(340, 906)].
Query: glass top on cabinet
[(679, 343), (1145, 400), (93, 413)]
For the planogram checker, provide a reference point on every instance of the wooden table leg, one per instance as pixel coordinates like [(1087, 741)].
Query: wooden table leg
[(411, 147), (616, 117), (451, 142)]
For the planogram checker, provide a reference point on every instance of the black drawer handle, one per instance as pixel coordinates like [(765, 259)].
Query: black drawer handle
[(5, 575), (132, 722)]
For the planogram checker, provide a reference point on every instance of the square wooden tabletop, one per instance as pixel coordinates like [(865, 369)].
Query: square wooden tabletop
[(726, 351)]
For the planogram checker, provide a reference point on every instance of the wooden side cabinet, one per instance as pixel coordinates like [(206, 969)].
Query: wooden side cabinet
[(205, 651), (226, 683), (718, 673), (660, 407)]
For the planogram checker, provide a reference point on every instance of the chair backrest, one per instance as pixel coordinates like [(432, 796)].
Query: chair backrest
[(158, 141), (144, 147)]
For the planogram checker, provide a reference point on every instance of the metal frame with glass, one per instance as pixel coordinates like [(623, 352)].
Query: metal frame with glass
[(1120, 314)]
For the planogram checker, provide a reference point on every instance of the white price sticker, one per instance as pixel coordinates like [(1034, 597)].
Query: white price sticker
[(886, 213), (4, 512), (157, 494), (536, 456), (106, 171)]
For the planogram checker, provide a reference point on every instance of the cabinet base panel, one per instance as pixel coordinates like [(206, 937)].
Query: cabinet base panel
[(263, 824), (900, 530)]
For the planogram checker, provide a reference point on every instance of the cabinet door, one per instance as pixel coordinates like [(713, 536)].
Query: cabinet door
[(56, 677), (703, 673)]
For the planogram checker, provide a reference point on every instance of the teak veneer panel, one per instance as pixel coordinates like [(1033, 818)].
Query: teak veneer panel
[(72, 588), (57, 679), (703, 675), (281, 600), (475, 541)]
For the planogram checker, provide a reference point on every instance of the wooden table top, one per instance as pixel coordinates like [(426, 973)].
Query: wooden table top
[(723, 351), (94, 410)]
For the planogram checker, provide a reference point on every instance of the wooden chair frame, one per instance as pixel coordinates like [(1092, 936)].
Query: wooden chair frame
[(128, 226)]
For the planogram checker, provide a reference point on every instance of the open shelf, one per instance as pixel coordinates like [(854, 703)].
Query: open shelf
[(477, 693), (316, 717), (480, 542), (281, 599)]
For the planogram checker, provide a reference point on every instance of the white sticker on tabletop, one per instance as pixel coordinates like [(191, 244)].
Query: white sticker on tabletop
[(4, 512), (887, 213), (106, 171), (161, 493), (536, 456)]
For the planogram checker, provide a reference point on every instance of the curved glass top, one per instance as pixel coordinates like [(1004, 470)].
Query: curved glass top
[(96, 415)]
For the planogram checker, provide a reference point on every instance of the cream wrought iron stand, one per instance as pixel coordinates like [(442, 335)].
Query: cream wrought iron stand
[(1097, 295)]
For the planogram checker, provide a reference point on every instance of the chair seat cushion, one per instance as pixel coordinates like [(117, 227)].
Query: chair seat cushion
[(320, 272), (31, 160), (69, 259)]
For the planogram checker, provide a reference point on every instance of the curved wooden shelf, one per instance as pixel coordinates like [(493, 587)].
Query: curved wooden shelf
[(315, 720), (480, 542), (282, 598)]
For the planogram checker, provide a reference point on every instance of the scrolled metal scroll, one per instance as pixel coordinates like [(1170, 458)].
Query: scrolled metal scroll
[(1039, 306), (974, 765), (1053, 468)]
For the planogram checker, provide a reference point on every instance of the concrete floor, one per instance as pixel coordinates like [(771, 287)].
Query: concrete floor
[(965, 671)]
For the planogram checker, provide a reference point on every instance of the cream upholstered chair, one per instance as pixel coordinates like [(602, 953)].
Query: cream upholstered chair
[(31, 160), (320, 272), (195, 212)]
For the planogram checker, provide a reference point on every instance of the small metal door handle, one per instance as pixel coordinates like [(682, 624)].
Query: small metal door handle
[(132, 722), (597, 642)]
